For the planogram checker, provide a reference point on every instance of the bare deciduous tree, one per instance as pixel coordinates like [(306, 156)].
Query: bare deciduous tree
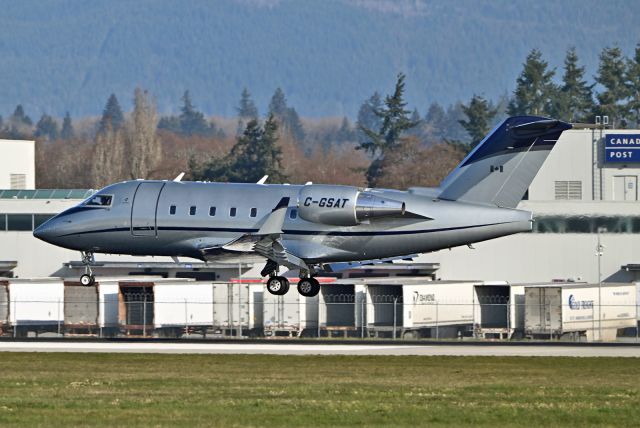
[(143, 146)]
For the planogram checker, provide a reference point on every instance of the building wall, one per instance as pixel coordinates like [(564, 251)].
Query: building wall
[(538, 257), (575, 158), (18, 158), (531, 257)]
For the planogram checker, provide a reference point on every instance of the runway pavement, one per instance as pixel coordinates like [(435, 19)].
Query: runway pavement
[(321, 349)]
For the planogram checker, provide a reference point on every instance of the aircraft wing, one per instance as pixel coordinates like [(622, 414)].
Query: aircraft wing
[(340, 266), (266, 241)]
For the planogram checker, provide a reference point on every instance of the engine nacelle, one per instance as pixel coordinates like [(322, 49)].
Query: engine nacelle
[(344, 205)]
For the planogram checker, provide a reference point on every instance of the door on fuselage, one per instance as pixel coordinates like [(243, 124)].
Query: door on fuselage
[(144, 209)]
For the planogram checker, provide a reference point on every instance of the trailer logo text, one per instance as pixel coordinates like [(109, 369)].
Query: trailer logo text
[(579, 304), (423, 298)]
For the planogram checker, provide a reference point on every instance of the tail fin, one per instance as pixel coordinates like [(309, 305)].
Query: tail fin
[(503, 165)]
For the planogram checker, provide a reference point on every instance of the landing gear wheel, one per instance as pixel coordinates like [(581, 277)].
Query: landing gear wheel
[(87, 280), (278, 285), (308, 287)]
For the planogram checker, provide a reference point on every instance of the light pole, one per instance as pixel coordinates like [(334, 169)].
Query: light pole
[(599, 253)]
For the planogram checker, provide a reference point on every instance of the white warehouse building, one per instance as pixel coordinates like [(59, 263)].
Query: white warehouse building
[(582, 187), (17, 164)]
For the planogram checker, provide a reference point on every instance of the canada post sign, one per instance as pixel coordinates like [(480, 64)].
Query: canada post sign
[(622, 148)]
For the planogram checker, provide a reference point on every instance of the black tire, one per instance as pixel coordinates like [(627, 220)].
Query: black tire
[(278, 285), (87, 280), (308, 287)]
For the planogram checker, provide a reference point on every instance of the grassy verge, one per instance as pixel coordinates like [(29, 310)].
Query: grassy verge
[(231, 390)]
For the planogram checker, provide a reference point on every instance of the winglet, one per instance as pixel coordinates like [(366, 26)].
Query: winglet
[(284, 202), (263, 180), (273, 223), (179, 177)]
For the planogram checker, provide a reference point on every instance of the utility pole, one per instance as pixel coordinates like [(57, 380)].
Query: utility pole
[(599, 253)]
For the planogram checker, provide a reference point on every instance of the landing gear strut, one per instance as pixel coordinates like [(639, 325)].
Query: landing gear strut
[(87, 279)]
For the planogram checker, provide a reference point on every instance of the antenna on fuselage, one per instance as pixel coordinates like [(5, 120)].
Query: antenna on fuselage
[(179, 177), (263, 180)]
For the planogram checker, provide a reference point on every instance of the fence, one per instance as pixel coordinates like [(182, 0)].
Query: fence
[(357, 315)]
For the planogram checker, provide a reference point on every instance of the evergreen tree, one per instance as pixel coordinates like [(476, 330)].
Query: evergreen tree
[(367, 117), (286, 116), (434, 124), (293, 125), (535, 91), (112, 116), (345, 132), (19, 117), (192, 122), (395, 121), (633, 82), (170, 123), (454, 132), (611, 76), (247, 108), (479, 114), (575, 99), (254, 155), (278, 104), (415, 118), (19, 124), (67, 132), (47, 128)]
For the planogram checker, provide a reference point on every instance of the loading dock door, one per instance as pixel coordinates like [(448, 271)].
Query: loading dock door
[(625, 188), (143, 211), (494, 305)]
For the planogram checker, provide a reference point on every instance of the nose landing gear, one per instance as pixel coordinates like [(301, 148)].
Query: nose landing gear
[(87, 279)]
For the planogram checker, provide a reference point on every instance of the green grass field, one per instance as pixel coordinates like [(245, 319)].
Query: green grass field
[(38, 389)]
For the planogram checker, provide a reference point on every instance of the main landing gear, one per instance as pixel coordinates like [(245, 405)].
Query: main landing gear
[(277, 285), (87, 279)]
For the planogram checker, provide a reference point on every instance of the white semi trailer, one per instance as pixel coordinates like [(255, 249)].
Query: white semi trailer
[(342, 308), (415, 307), (181, 306), (577, 310), (237, 309), (36, 305), (498, 310), (291, 315)]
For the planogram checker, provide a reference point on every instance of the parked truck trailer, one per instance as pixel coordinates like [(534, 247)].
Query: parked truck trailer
[(575, 310)]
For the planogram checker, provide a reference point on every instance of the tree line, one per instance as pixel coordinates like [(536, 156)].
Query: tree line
[(394, 146)]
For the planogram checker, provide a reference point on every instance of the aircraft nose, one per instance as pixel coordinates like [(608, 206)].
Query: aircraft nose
[(46, 231)]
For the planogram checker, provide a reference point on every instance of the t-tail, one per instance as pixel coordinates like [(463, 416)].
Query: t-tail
[(502, 166)]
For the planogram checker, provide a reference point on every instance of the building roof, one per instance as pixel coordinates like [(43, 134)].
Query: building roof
[(46, 194)]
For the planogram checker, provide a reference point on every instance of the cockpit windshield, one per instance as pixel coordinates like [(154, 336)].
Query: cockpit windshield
[(99, 201)]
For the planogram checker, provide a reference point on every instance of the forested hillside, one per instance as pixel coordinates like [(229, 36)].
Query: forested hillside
[(327, 56)]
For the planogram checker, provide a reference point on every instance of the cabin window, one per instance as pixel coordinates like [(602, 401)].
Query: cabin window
[(192, 210), (293, 214), (232, 212), (172, 210), (254, 212), (212, 211)]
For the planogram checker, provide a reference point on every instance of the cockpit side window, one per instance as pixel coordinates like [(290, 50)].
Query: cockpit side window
[(99, 201)]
